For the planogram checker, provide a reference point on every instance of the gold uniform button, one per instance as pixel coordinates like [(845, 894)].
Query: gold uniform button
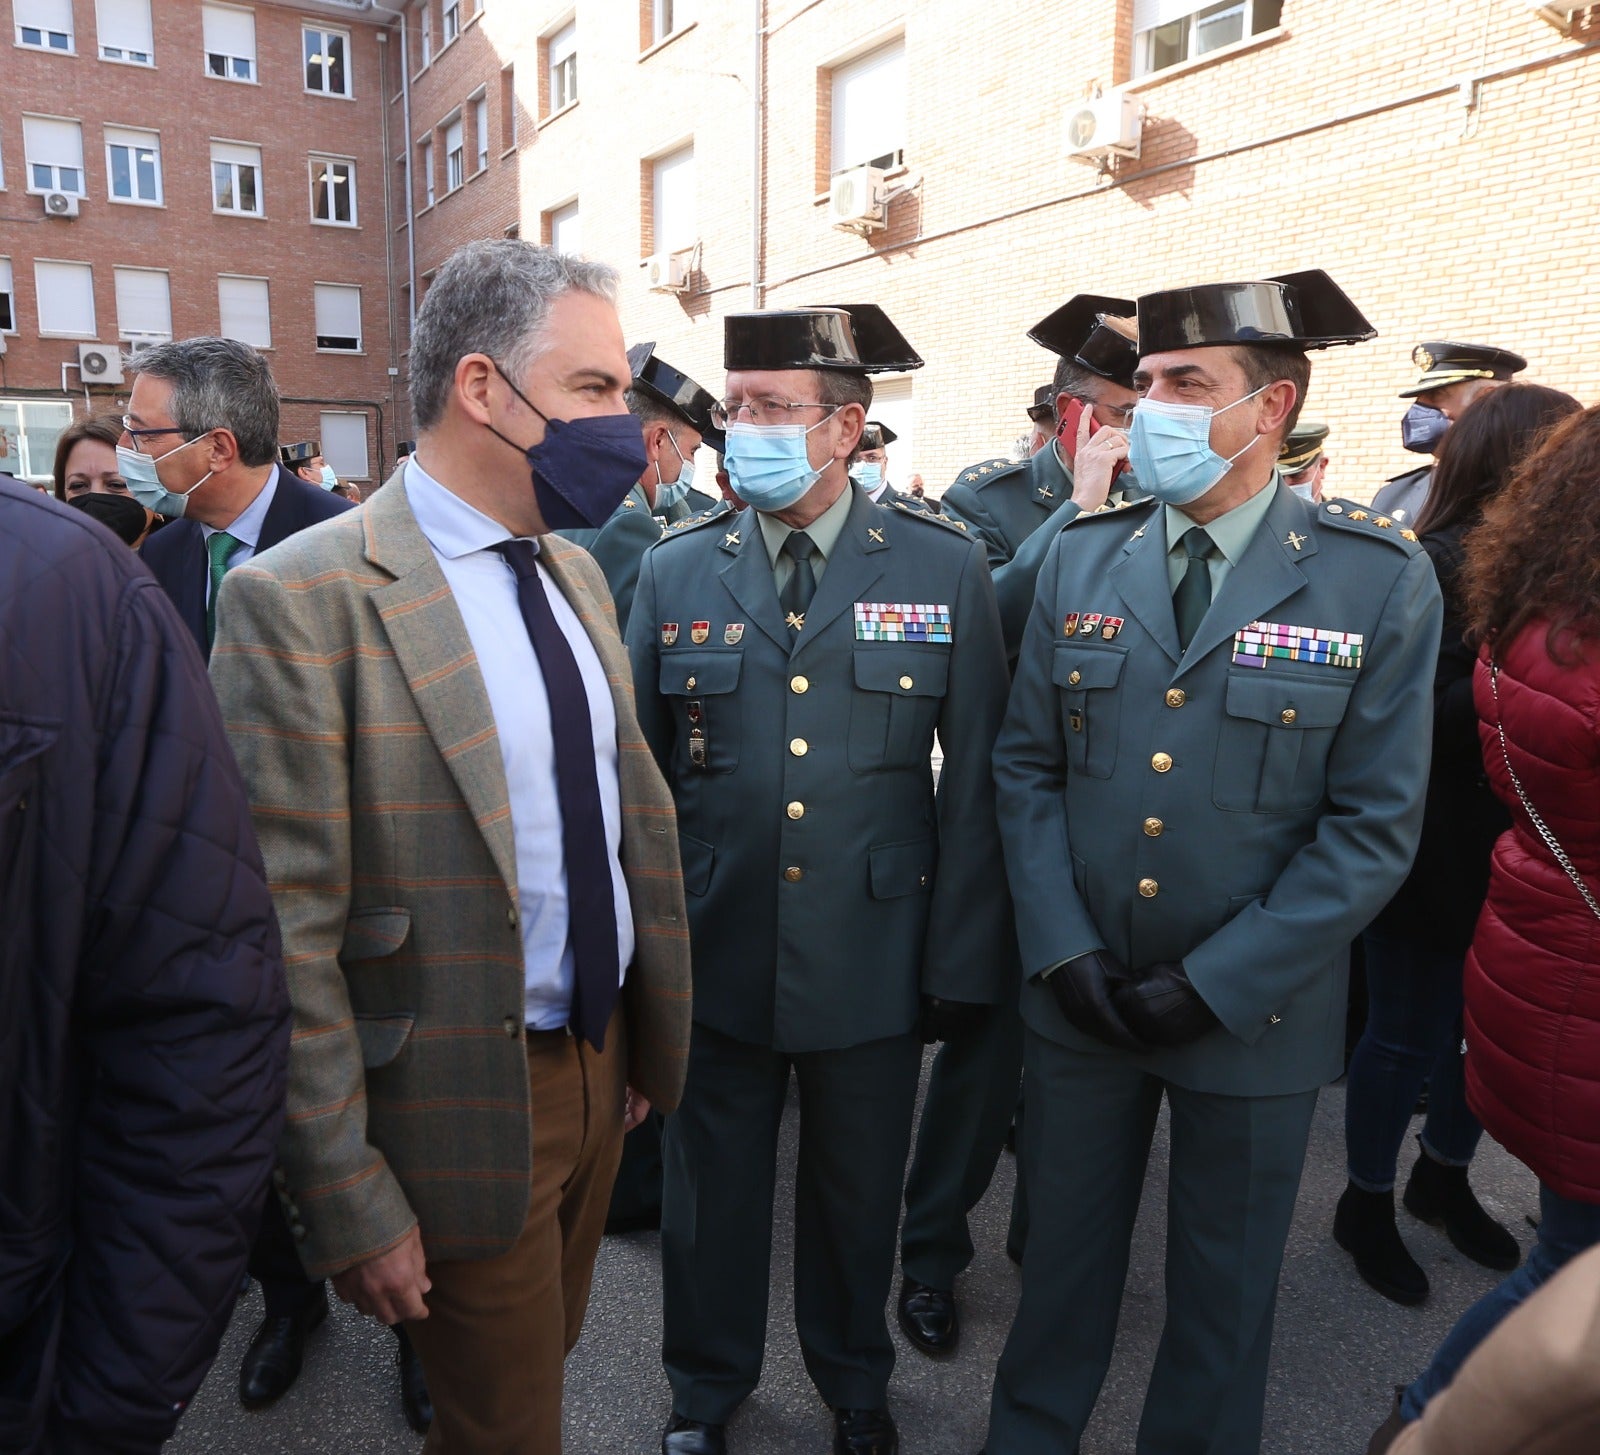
[(798, 683), (1074, 677), (1287, 716), (689, 684), (1149, 888), (796, 809), (799, 747), (512, 1025), (794, 874), (906, 684), (1162, 762), (1154, 827), (1176, 697)]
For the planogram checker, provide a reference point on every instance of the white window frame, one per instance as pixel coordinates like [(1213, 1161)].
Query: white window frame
[(325, 159), (8, 291), (119, 138), (40, 296), (425, 33), (266, 315), (480, 122), (55, 168), (232, 61), (237, 165), (425, 166), (455, 156), (887, 143), (561, 214), (33, 462), (128, 281), (45, 36), (664, 168), (126, 55), (1150, 17), (323, 32), (450, 22), (561, 65), (668, 17), (325, 434), (316, 304)]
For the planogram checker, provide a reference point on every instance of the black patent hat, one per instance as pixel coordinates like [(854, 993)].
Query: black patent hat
[(672, 387), (1079, 331), (299, 454), (1043, 408), (855, 338), (1443, 362), (1305, 310), (876, 436)]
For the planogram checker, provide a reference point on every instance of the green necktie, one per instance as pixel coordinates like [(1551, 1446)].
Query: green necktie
[(1192, 599), (218, 549), (802, 583)]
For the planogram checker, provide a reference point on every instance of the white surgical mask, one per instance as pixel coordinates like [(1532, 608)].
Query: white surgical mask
[(1169, 447), (144, 484)]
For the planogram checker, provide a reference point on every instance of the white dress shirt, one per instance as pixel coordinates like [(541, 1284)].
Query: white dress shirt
[(246, 528), (485, 591)]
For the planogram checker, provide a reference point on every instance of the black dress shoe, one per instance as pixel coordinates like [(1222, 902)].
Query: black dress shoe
[(1442, 1196), (1363, 1225), (929, 1317), (415, 1402), (864, 1432), (272, 1362), (693, 1437)]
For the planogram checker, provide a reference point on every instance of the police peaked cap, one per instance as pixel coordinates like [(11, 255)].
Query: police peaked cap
[(1302, 311), (1443, 362), (1078, 331), (855, 338), (1302, 446)]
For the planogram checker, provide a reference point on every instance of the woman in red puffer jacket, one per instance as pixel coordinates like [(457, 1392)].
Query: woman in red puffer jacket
[(1532, 575)]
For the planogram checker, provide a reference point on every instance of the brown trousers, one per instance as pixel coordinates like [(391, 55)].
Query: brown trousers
[(498, 1329)]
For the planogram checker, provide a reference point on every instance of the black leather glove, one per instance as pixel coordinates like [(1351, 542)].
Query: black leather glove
[(949, 1020), (1161, 1007), (1084, 988)]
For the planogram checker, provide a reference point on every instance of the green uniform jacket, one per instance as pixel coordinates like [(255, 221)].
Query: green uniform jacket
[(1004, 502), (1249, 820), (827, 884), (618, 545)]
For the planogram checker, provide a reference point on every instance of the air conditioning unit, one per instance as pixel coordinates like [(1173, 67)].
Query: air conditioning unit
[(99, 364), (858, 200), (1564, 17), (60, 204), (668, 272), (1104, 126)]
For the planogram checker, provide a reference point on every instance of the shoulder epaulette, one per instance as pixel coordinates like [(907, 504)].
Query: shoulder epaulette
[(987, 470), (1109, 511), (1348, 515), (929, 514), (680, 527)]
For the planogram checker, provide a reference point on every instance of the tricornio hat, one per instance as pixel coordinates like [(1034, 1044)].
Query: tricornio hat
[(876, 436), (1096, 331), (1303, 311), (299, 454), (854, 338)]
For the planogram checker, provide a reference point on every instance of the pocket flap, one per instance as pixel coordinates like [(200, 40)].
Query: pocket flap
[(699, 674), (382, 1036), (1284, 701), (907, 672), (1083, 667), (902, 868), (697, 858), (370, 933)]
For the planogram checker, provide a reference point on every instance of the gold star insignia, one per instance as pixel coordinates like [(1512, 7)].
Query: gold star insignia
[(1295, 540), (1359, 515), (970, 475), (629, 504), (983, 469), (875, 534), (1382, 522), (731, 539), (1409, 535), (795, 620)]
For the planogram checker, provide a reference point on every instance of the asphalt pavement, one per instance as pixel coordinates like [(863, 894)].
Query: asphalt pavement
[(1339, 1349)]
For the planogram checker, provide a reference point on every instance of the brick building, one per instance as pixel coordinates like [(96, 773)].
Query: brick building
[(1444, 166)]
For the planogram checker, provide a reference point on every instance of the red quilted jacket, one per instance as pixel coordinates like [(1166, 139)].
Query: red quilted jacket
[(1533, 974)]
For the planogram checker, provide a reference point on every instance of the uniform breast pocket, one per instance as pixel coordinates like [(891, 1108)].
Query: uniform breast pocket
[(899, 689), (1091, 705), (1272, 750), (703, 690)]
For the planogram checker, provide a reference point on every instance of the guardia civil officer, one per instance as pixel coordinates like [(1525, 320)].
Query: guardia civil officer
[(1303, 460), (1210, 778), (1042, 421), (793, 661), (304, 458), (870, 468)]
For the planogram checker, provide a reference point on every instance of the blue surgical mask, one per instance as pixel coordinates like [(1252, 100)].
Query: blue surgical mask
[(867, 475), (582, 468), (1305, 492), (1169, 446), (674, 492), (768, 464), (329, 479), (1422, 427), (138, 471)]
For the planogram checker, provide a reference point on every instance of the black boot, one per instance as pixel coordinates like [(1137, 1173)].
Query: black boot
[(272, 1362), (1442, 1196), (1363, 1225)]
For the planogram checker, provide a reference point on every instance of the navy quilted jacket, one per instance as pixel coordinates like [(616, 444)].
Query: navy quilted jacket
[(143, 1016)]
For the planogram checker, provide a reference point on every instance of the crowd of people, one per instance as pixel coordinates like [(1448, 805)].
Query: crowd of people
[(403, 897)]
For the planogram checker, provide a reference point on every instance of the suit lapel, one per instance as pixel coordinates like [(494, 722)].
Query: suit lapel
[(1140, 578), (748, 574), (431, 646), (852, 568), (282, 519)]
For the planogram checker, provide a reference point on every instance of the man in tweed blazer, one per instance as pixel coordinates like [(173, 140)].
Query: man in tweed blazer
[(451, 1142)]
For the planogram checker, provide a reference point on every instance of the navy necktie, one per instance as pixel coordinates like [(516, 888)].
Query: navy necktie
[(592, 911)]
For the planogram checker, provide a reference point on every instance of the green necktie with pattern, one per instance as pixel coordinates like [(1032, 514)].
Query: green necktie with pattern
[(218, 549)]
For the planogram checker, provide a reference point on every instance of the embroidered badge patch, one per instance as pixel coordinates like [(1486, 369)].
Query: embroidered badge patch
[(669, 633), (1263, 641), (898, 621)]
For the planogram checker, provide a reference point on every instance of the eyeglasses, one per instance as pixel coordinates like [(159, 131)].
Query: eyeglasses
[(759, 411), (143, 434)]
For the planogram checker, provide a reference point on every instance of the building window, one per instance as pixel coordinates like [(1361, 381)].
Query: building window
[(668, 16), (563, 230), (66, 299), (230, 42), (344, 444), (44, 24), (333, 191), (869, 109), (8, 304), (1168, 32), (425, 32), (133, 165), (425, 166), (124, 31), (561, 67), (327, 54), (144, 304), (508, 108), (236, 179), (244, 310), (455, 156), (452, 20), (338, 308), (29, 429), (54, 152), (480, 117), (672, 209)]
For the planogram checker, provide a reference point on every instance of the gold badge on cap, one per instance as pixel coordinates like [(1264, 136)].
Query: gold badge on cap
[(1422, 358)]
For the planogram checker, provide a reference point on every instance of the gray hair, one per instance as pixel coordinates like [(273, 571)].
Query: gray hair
[(648, 409), (217, 383), (492, 297), (838, 387), (1072, 378)]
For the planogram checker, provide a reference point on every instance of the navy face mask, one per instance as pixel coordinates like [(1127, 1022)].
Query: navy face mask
[(1422, 427), (582, 468)]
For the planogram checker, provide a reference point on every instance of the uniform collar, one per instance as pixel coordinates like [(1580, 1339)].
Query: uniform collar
[(1231, 531), (824, 530)]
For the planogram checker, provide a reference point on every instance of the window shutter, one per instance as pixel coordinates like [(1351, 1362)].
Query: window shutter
[(674, 211), (338, 311), (51, 142), (869, 106), (344, 445), (45, 14), (228, 32), (124, 25), (66, 298), (243, 304), (144, 302)]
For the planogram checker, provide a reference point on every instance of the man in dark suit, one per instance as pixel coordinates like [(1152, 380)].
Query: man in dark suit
[(201, 443)]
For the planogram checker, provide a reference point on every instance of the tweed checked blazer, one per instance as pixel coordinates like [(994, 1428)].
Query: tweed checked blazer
[(357, 710)]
